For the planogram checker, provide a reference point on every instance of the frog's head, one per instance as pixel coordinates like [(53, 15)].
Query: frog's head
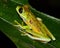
[(23, 11)]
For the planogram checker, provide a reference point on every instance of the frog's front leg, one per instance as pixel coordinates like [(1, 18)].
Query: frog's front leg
[(21, 25), (21, 28)]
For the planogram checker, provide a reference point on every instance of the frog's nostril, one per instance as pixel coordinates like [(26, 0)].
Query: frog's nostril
[(21, 10)]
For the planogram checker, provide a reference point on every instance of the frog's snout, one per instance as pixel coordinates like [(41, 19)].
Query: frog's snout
[(17, 8)]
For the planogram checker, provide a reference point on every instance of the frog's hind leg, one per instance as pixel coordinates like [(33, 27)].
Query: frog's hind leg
[(45, 29), (43, 40)]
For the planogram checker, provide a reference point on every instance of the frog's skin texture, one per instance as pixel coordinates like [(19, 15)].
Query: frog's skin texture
[(35, 29)]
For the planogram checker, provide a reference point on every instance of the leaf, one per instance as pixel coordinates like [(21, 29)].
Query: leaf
[(7, 16)]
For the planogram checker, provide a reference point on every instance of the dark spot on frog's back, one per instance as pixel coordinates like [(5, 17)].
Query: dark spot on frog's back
[(21, 10), (31, 21)]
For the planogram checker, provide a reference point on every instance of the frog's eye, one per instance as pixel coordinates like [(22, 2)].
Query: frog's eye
[(21, 10)]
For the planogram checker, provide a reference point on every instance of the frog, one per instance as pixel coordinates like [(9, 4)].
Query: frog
[(34, 28)]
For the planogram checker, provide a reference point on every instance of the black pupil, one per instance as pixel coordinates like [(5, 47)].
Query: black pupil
[(20, 10)]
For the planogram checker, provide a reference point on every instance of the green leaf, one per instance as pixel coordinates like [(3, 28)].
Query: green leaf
[(7, 16)]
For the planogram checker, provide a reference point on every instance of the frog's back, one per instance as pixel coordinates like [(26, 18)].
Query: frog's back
[(34, 24)]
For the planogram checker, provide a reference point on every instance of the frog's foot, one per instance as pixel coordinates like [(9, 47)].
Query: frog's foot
[(23, 34)]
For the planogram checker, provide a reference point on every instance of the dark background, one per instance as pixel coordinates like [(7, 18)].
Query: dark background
[(5, 42), (51, 7)]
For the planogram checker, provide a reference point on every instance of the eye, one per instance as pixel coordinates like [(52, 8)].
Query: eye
[(21, 10)]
